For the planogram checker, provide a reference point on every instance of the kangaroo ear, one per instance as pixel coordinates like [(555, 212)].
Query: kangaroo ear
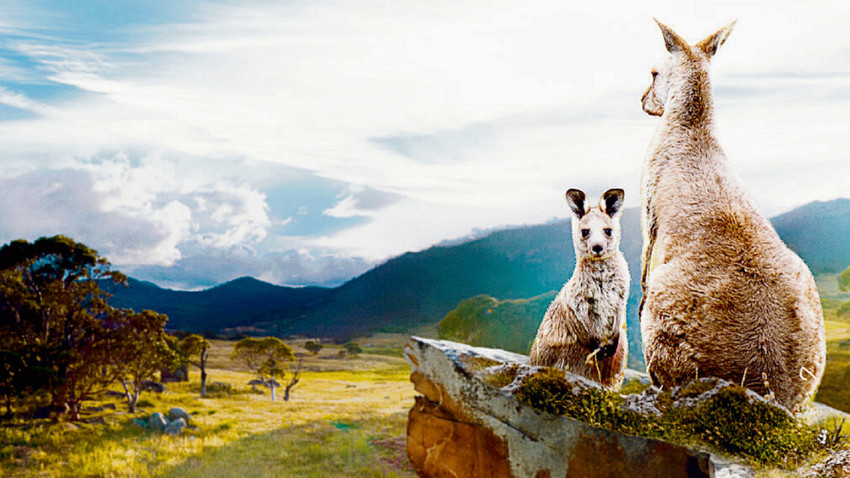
[(575, 199), (612, 201), (672, 41), (713, 42)]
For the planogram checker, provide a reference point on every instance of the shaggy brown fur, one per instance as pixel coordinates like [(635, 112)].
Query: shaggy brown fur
[(723, 295), (584, 329)]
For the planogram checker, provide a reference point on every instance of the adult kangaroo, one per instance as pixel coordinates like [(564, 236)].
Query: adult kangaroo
[(722, 294)]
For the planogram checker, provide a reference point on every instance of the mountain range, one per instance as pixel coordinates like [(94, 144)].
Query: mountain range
[(422, 287)]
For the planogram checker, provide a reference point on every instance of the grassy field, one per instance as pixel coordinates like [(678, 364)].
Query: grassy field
[(347, 417), (835, 385)]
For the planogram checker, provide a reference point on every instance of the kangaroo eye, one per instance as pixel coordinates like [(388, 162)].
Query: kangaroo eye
[(585, 232), (608, 232)]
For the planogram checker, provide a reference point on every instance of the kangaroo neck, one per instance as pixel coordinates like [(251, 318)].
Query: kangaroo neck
[(690, 107)]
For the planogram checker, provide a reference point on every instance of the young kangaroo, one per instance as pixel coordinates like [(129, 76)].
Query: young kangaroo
[(584, 329), (722, 294)]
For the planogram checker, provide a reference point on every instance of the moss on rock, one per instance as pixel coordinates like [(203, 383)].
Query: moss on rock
[(708, 413)]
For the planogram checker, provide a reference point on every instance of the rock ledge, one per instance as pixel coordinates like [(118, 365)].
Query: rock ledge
[(465, 426)]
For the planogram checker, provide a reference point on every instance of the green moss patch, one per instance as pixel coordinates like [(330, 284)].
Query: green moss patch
[(633, 387), (762, 433), (706, 414), (500, 376), (476, 363)]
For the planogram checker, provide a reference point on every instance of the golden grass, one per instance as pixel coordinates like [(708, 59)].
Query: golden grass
[(835, 386), (345, 418)]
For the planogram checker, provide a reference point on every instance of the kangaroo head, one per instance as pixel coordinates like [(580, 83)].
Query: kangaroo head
[(681, 67), (596, 231)]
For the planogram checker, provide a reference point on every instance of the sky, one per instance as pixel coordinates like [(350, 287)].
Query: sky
[(304, 142)]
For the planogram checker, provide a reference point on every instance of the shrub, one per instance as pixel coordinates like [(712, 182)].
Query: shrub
[(219, 389)]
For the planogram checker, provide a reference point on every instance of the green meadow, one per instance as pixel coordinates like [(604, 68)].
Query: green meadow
[(346, 417)]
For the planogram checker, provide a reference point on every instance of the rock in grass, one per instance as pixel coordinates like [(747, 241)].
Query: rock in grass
[(141, 423), (157, 422), (176, 427), (152, 386), (176, 413)]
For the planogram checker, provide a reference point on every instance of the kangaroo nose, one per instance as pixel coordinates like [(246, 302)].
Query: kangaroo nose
[(597, 248)]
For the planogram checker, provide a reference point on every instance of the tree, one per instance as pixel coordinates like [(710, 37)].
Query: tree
[(197, 346), (293, 381), (353, 349), (141, 349), (313, 347), (51, 311), (844, 280), (12, 372), (265, 357)]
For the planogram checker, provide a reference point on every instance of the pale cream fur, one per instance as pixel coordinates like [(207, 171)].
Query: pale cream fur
[(722, 294), (584, 328)]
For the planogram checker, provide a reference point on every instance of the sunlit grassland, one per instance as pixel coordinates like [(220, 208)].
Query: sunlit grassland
[(835, 386), (346, 417)]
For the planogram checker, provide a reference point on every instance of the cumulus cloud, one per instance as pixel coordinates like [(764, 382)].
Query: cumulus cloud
[(45, 203), (134, 212)]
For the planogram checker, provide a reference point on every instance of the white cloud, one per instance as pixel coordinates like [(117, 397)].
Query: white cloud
[(135, 214), (361, 201), (231, 215), (442, 116), (51, 202)]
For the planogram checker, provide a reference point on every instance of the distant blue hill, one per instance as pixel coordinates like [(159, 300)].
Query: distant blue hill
[(240, 302), (819, 232), (422, 287)]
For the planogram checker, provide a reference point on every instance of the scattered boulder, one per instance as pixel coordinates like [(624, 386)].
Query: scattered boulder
[(178, 413), (179, 374), (173, 424), (157, 422), (175, 427), (114, 394), (152, 386)]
